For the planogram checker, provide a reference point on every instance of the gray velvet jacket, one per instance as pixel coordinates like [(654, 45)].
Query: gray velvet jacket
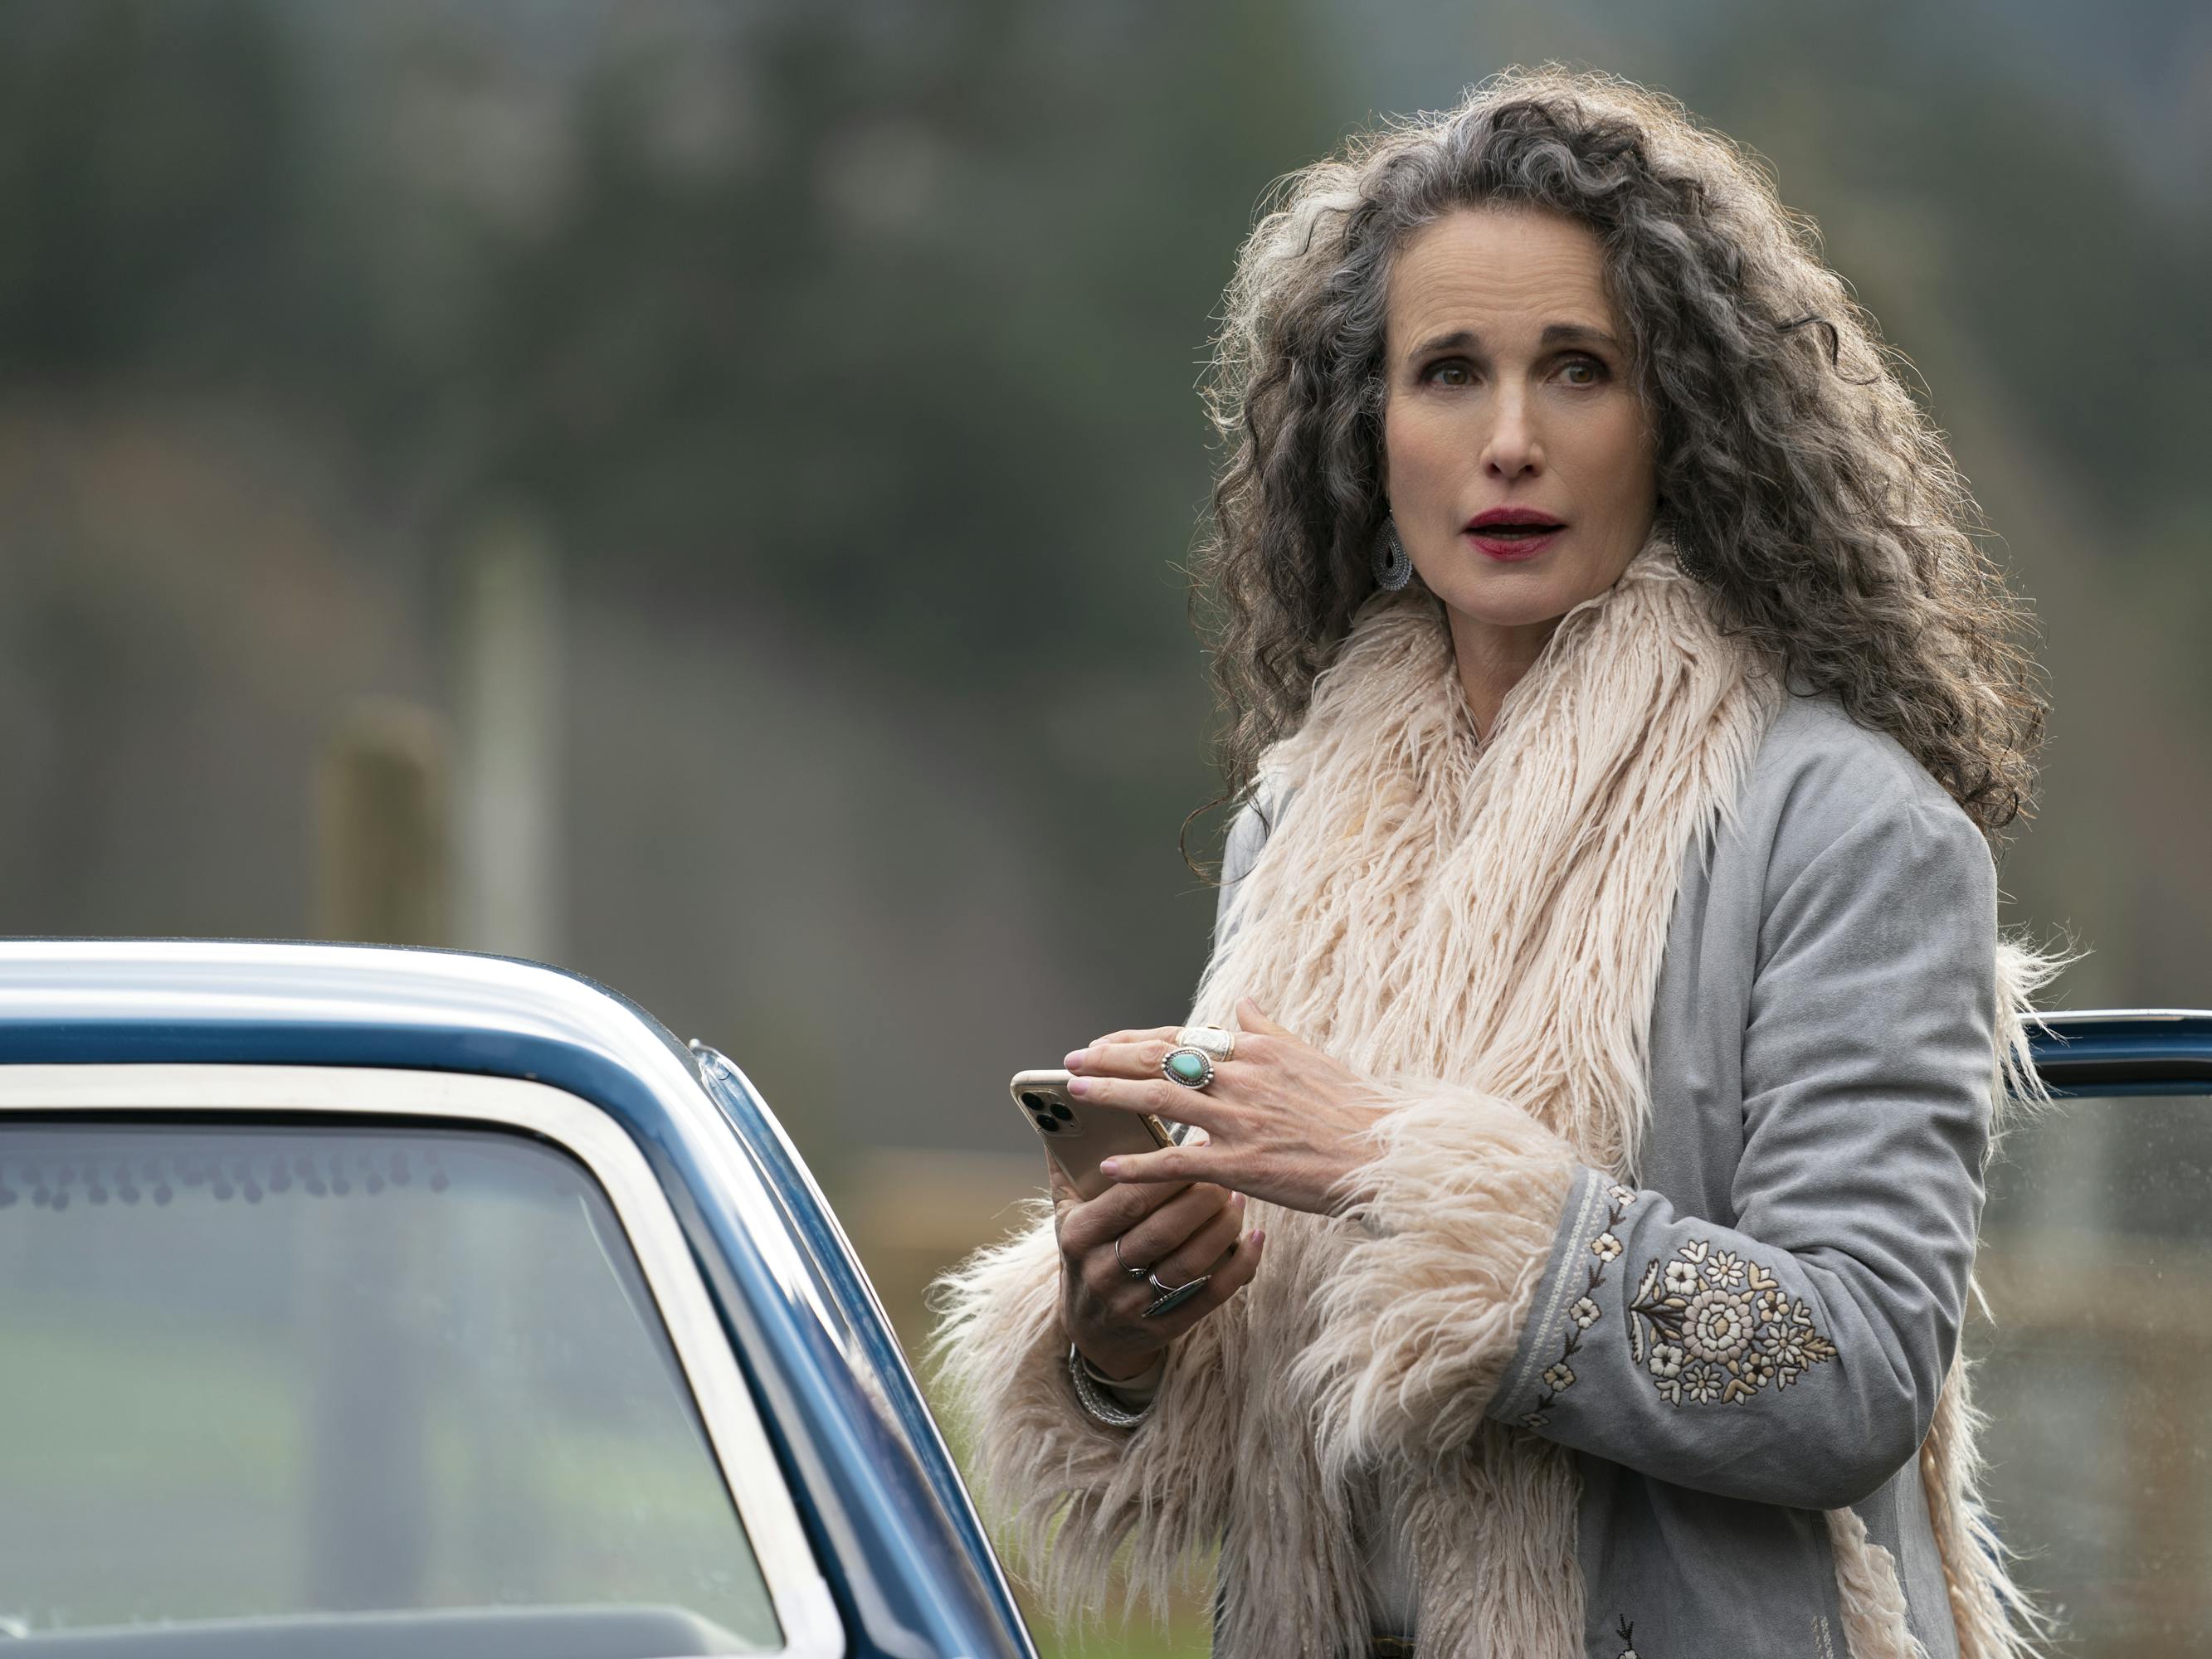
[(1820, 1048)]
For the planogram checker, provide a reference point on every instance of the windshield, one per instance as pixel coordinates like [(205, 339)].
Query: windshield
[(250, 1370)]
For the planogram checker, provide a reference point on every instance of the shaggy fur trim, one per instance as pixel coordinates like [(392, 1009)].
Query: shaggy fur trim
[(1506, 1497), (1063, 1490), (2024, 968), (1875, 1625), (1419, 1319)]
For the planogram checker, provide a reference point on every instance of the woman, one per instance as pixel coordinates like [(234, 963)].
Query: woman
[(1584, 1214)]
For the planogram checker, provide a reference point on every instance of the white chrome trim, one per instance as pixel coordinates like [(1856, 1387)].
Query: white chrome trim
[(801, 1596)]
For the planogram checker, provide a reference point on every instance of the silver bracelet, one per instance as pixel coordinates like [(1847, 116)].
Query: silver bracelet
[(1094, 1399)]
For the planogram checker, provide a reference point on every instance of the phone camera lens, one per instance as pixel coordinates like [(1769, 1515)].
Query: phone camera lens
[(1035, 1102), (1047, 1125), (1060, 1111)]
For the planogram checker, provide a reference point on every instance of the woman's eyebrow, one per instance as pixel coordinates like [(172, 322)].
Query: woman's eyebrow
[(1554, 334)]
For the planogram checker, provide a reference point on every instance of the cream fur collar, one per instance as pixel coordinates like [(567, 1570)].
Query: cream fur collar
[(1492, 916), (1530, 877)]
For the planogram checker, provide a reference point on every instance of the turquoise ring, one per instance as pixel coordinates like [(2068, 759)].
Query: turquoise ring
[(1172, 1298), (1192, 1067)]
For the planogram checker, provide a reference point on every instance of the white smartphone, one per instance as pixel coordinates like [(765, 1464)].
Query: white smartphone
[(1076, 1138)]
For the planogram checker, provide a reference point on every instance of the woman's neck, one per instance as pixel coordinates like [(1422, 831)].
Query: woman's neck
[(1491, 656)]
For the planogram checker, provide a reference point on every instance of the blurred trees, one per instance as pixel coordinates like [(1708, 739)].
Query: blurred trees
[(848, 351)]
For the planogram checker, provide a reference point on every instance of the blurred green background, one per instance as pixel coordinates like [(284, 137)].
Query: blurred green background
[(745, 455)]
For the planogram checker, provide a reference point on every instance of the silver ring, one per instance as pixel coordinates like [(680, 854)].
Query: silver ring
[(1221, 1044), (1194, 1071), (1169, 1290), (1134, 1272)]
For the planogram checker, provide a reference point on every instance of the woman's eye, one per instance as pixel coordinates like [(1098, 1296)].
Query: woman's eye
[(1434, 372)]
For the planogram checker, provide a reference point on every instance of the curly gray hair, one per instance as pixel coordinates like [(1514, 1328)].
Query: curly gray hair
[(1819, 503)]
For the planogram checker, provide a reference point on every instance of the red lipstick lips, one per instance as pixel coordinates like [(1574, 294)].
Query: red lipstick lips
[(1499, 534)]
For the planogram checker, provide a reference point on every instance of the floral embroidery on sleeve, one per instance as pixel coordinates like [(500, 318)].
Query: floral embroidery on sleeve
[(1710, 1325), (1559, 1376), (1628, 1635)]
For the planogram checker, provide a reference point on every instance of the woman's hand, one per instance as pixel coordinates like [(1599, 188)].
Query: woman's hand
[(1177, 1231), (1280, 1118)]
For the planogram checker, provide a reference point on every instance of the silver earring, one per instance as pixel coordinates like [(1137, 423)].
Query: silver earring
[(1684, 562), (1687, 562), (1393, 569)]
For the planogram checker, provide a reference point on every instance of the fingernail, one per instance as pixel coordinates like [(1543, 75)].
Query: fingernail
[(1078, 1086), (1109, 1167), (1074, 1061), (1237, 1199), (1258, 1233)]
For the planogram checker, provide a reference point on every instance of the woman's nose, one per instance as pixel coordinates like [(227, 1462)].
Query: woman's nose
[(1513, 448)]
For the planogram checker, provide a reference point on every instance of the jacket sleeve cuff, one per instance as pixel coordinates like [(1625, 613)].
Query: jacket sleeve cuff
[(1581, 1255), (1459, 1212)]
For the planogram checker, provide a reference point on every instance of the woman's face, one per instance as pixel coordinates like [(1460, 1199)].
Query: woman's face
[(1507, 386)]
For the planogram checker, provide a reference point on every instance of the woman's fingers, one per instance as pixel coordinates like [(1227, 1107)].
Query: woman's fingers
[(1146, 1034), (1064, 1195), (1087, 1224), (1155, 1093), (1231, 1276), (1184, 1162), (1140, 1058), (1172, 1225), (1126, 1054), (1201, 1250)]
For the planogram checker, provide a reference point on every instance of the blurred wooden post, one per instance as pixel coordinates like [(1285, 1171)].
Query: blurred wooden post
[(381, 813), (509, 684), (380, 878)]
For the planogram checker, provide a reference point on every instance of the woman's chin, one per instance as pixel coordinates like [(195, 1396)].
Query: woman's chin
[(1508, 599)]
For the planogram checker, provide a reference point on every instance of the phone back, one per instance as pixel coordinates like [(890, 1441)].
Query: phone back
[(1077, 1136)]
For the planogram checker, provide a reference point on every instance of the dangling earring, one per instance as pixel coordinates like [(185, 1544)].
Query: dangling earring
[(1664, 527), (1393, 569)]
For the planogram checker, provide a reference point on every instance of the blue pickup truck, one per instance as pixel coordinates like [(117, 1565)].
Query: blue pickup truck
[(362, 1300), (372, 1301)]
